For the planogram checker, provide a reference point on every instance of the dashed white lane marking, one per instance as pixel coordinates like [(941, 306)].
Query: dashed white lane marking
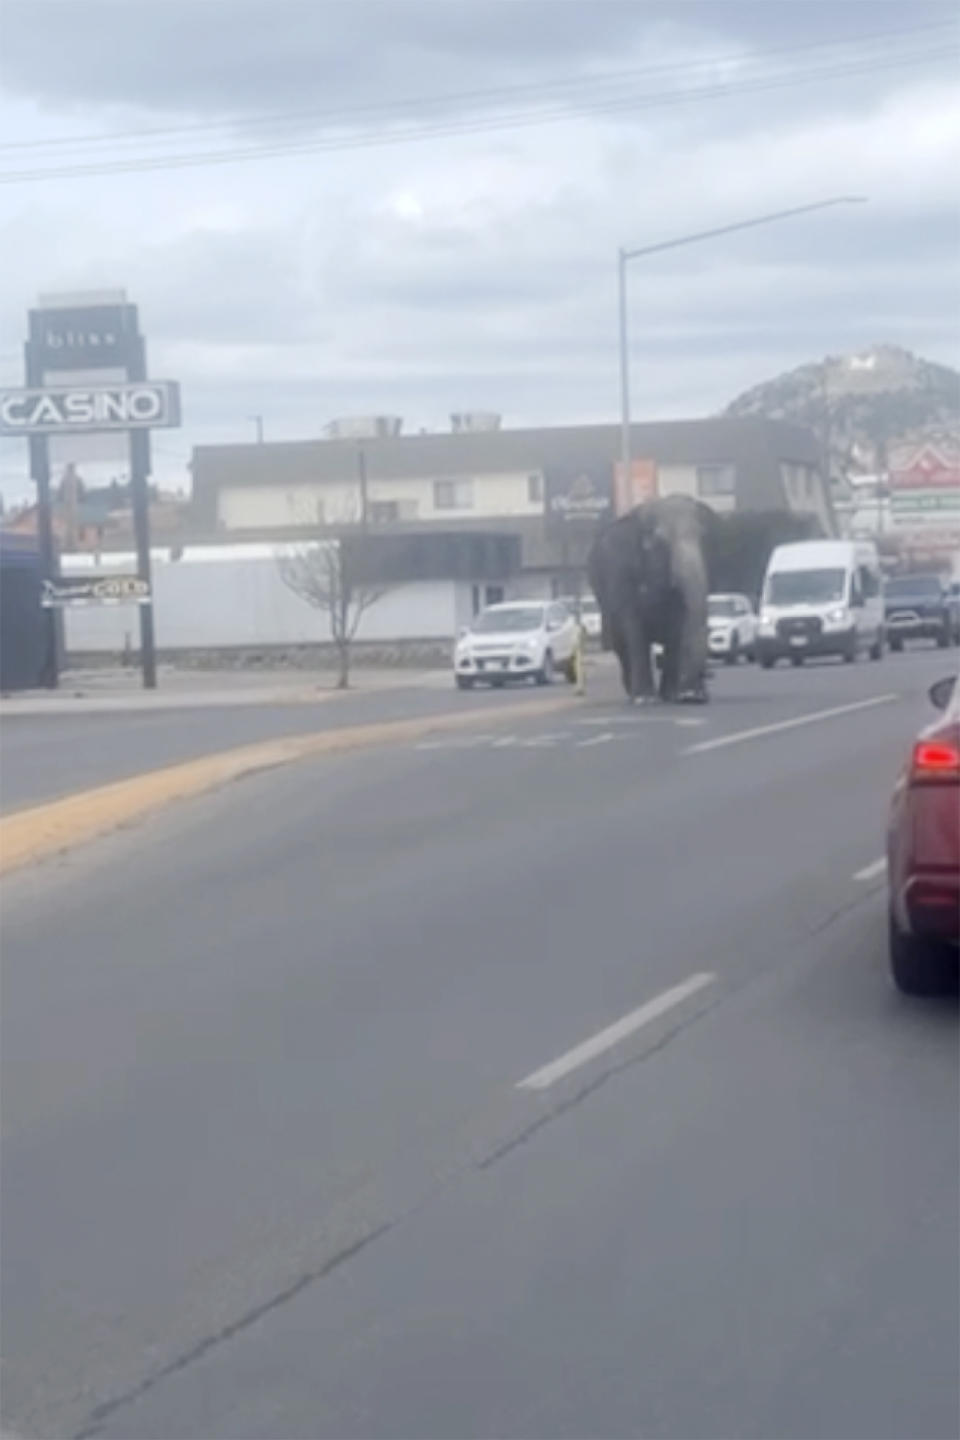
[(871, 871), (606, 1039), (504, 741), (544, 742), (690, 723), (739, 736), (600, 739)]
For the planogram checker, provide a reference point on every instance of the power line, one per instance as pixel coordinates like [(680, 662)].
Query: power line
[(472, 126), (385, 111)]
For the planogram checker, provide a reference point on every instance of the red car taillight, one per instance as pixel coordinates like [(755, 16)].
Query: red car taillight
[(935, 761)]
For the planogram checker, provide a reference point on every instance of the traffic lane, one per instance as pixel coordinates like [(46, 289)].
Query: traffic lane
[(283, 993), (752, 1232), (46, 757), (614, 824), (822, 683)]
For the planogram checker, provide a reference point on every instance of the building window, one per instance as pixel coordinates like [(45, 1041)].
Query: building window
[(535, 489), (714, 480), (453, 494), (391, 512)]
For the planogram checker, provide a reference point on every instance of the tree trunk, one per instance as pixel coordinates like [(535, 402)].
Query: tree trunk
[(343, 660)]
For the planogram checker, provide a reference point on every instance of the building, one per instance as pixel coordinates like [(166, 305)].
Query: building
[(481, 474), (454, 521)]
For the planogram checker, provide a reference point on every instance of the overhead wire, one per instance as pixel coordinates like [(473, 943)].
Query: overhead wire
[(387, 110), (475, 124)]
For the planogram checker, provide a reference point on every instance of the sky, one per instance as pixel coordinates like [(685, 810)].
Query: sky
[(431, 196)]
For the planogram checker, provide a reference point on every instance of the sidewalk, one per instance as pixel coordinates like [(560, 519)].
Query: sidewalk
[(112, 691)]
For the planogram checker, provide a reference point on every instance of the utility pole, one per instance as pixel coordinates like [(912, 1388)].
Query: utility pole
[(258, 422), (362, 478)]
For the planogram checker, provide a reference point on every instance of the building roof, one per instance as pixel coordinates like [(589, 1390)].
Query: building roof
[(755, 445)]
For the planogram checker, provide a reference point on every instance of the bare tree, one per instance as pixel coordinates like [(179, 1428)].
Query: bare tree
[(321, 574)]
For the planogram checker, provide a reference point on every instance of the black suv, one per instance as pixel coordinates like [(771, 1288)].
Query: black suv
[(918, 607)]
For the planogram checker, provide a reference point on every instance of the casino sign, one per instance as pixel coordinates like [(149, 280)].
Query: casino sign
[(68, 409)]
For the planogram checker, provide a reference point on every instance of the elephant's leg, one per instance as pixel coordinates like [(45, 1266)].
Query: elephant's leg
[(638, 649), (692, 657), (669, 634), (670, 673), (624, 658)]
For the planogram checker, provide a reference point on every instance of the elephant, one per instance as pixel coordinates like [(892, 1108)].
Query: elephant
[(648, 570)]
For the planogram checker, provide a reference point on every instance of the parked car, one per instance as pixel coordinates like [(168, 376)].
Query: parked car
[(732, 627), (529, 639), (918, 607), (923, 854), (821, 597)]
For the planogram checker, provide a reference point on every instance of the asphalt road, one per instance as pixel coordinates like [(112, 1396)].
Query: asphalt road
[(43, 757), (271, 1168)]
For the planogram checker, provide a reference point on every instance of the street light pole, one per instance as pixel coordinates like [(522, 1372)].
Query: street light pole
[(625, 256), (625, 459), (258, 421)]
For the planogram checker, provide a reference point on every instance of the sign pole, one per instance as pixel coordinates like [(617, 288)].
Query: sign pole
[(40, 472), (140, 497)]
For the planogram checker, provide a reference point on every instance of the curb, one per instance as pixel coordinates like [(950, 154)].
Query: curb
[(27, 836)]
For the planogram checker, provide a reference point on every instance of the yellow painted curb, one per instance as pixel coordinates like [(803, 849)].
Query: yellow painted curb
[(45, 830)]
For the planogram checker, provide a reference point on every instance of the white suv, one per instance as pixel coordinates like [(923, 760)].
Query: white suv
[(524, 640), (732, 627)]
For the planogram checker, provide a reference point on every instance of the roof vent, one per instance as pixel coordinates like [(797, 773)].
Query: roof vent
[(474, 422), (364, 427)]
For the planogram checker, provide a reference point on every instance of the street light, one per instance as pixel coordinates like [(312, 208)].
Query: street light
[(625, 256)]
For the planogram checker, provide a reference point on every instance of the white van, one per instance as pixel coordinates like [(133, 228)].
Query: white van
[(821, 597)]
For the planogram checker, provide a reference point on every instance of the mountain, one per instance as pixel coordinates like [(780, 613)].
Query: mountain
[(865, 403)]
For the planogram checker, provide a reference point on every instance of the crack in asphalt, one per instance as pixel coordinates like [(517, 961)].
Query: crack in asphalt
[(93, 1426), (559, 1106)]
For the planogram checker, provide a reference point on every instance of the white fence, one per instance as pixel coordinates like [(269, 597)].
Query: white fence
[(235, 597)]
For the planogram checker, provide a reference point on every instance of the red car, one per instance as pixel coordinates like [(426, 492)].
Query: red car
[(923, 855)]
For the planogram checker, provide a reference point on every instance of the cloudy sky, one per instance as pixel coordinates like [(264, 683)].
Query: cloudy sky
[(414, 206)]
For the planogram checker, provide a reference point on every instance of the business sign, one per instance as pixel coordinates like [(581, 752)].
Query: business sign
[(924, 483), (87, 409), (578, 493), (83, 337), (642, 485), (69, 590)]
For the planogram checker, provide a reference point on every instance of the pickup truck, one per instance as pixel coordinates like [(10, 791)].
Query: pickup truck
[(919, 607)]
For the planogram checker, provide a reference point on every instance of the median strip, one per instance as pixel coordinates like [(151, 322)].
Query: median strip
[(44, 830)]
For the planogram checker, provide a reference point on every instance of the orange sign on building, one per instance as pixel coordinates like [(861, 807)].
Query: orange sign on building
[(642, 485)]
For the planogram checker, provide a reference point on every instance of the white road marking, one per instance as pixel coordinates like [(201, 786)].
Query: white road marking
[(689, 723), (504, 741), (871, 871), (541, 742), (606, 1039), (739, 736), (596, 740), (464, 742), (637, 718)]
